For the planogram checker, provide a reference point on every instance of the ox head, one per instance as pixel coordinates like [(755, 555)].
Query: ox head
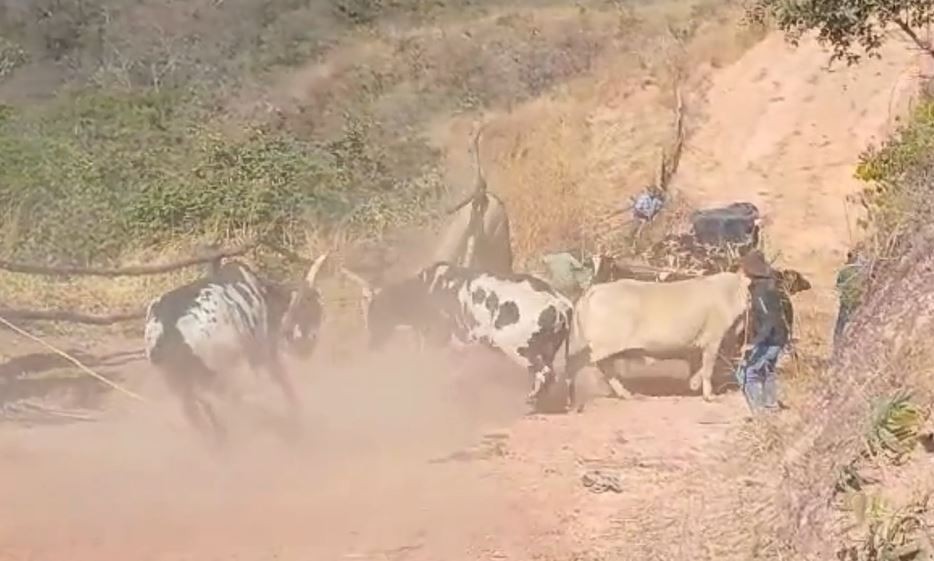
[(792, 281), (404, 303), (304, 315)]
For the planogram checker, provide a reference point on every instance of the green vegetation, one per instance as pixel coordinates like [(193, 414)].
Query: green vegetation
[(895, 427), (848, 25), (900, 177), (84, 177), (131, 123)]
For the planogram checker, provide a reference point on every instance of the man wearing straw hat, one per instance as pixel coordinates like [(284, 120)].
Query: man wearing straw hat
[(768, 335)]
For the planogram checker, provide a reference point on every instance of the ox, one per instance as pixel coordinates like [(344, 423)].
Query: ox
[(477, 235), (655, 319), (518, 314), (195, 332), (790, 282)]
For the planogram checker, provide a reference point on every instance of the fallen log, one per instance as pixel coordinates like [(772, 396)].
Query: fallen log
[(132, 271), (73, 317)]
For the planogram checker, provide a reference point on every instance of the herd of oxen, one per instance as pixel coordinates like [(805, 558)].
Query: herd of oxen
[(469, 293)]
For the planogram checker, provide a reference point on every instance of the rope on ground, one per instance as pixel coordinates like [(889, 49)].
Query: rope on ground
[(73, 360)]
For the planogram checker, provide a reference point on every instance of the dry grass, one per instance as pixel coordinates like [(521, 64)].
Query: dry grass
[(560, 161), (564, 161)]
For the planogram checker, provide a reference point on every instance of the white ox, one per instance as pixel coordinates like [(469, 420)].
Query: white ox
[(628, 317)]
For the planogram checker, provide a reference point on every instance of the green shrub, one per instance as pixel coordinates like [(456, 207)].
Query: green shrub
[(898, 173), (99, 173)]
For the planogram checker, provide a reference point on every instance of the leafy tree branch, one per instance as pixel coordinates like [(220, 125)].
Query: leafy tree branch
[(848, 26)]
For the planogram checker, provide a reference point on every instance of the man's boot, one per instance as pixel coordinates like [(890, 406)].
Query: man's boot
[(753, 391)]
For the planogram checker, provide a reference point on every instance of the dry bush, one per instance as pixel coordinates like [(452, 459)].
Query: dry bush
[(886, 351), (538, 179)]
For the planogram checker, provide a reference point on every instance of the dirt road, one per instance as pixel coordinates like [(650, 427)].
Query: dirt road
[(783, 132), (432, 460)]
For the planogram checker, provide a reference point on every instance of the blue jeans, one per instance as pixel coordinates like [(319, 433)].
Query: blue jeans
[(756, 376)]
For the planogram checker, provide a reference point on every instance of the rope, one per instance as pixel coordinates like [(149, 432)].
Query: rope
[(72, 359)]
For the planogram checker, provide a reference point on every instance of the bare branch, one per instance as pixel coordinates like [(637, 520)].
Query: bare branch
[(72, 317), (139, 270), (926, 47)]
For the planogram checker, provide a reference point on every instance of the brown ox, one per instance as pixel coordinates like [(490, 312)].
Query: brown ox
[(477, 235)]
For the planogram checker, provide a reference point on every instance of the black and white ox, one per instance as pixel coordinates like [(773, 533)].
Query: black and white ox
[(517, 314), (195, 333)]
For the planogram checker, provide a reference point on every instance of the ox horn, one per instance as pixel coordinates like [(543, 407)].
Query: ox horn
[(304, 289), (315, 268)]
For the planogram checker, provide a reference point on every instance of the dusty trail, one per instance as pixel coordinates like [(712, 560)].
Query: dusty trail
[(396, 465), (783, 132)]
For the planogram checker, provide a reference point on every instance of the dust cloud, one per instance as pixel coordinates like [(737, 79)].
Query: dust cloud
[(364, 474)]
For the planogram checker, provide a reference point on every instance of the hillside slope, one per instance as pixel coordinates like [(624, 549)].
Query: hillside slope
[(779, 131)]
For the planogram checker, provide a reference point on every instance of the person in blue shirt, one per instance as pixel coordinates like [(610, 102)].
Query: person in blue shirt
[(647, 204)]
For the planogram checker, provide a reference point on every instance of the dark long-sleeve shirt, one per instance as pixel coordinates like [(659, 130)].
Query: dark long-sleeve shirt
[(768, 314)]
